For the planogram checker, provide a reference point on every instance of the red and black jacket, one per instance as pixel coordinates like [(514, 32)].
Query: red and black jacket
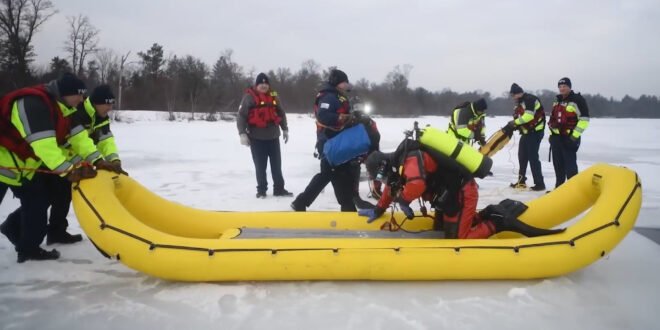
[(32, 98)]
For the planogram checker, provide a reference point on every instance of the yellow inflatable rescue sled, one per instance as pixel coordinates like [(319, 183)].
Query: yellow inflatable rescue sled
[(164, 239)]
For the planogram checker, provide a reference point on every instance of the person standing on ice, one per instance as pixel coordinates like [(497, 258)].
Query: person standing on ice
[(332, 109), (569, 119), (260, 117), (36, 128), (529, 120), (92, 114), (468, 122)]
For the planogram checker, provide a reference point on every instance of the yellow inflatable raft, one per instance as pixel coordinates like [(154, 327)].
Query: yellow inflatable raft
[(170, 241)]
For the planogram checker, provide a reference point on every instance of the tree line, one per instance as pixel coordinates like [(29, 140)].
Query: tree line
[(152, 80)]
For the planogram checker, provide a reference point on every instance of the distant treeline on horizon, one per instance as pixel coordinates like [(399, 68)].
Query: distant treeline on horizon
[(186, 83)]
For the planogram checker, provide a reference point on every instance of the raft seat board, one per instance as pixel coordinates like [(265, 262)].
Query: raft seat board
[(266, 233)]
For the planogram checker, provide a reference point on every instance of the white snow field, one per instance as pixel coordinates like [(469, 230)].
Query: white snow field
[(202, 164)]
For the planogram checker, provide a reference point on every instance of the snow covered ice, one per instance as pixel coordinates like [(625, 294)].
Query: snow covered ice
[(201, 164)]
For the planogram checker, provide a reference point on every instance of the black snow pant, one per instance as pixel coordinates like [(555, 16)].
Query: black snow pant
[(3, 191), (26, 227), (564, 157), (262, 150), (59, 196), (528, 152), (343, 182)]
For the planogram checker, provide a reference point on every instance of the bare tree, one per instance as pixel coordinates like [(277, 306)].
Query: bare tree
[(19, 21), (82, 41), (122, 62), (108, 61)]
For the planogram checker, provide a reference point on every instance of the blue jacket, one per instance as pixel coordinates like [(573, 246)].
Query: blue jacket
[(330, 104)]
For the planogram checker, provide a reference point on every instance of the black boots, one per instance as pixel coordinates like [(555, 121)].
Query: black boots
[(282, 193), (538, 187), (298, 206), (38, 254), (276, 193), (505, 218), (520, 184), (62, 238)]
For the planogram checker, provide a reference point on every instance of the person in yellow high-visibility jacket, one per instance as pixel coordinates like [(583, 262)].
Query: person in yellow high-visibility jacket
[(468, 122), (529, 120), (36, 130), (92, 114)]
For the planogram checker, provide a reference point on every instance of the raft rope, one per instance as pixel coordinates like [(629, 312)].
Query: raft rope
[(28, 169), (516, 249)]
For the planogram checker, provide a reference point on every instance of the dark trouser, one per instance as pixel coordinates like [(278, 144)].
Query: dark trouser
[(29, 222), (59, 197), (564, 157), (262, 150), (3, 191), (342, 178), (528, 152)]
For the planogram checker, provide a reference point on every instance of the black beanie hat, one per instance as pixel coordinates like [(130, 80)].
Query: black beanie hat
[(337, 77), (69, 85), (479, 105), (515, 89), (262, 78), (565, 81), (102, 94)]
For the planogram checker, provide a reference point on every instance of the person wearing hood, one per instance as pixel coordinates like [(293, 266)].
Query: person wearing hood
[(36, 131), (333, 114), (260, 117)]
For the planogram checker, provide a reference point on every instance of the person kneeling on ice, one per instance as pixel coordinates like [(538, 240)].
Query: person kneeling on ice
[(422, 176)]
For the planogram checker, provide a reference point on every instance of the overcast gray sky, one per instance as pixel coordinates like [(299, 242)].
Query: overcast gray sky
[(607, 47)]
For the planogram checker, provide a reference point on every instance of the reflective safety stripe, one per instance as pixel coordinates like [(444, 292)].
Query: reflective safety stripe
[(63, 167), (111, 157), (75, 160), (77, 130), (39, 136), (572, 107), (8, 174), (584, 118), (105, 136), (578, 129), (540, 126), (93, 156), (23, 116)]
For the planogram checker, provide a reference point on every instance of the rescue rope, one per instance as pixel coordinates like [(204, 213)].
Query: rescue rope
[(28, 169)]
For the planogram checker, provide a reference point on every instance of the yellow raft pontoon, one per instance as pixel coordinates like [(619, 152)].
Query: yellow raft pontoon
[(168, 240)]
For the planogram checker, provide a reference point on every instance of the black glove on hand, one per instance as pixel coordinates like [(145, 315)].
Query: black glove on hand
[(509, 128), (81, 173), (116, 164)]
